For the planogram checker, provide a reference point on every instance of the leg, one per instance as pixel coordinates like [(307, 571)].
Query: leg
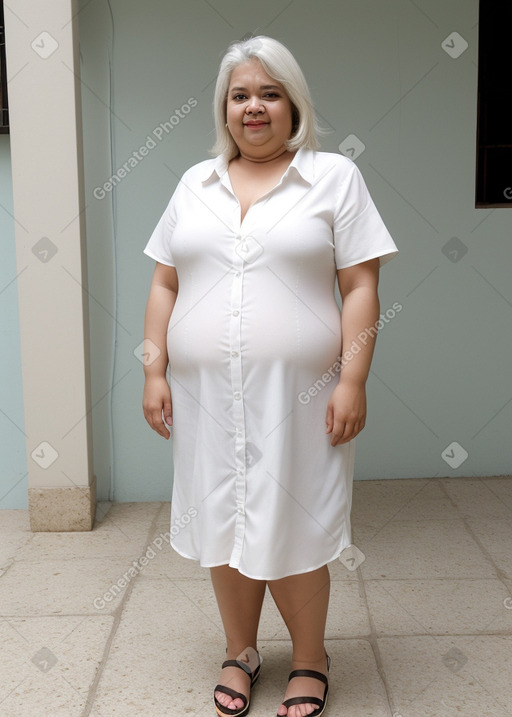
[(303, 601), (240, 600)]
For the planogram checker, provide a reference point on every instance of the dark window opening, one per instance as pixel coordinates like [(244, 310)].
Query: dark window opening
[(4, 111), (494, 116)]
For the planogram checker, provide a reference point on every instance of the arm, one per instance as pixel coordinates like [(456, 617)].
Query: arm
[(346, 411), (157, 394)]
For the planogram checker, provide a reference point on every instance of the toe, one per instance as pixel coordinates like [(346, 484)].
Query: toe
[(302, 710), (229, 702)]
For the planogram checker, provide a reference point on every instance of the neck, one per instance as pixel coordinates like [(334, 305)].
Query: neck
[(261, 160)]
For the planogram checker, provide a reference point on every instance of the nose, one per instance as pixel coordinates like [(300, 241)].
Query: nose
[(254, 106)]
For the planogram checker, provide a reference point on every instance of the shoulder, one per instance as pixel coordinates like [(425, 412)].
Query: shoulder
[(337, 172)]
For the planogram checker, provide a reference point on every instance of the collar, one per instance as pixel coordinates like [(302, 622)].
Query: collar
[(302, 164)]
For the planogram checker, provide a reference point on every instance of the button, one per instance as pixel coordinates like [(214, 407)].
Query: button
[(234, 354), (237, 396), (235, 312), (240, 509)]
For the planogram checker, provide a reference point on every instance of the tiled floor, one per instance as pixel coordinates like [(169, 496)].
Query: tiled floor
[(422, 628)]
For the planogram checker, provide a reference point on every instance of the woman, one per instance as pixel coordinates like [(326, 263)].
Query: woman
[(242, 307)]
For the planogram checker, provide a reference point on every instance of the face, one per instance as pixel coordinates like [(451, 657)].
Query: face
[(258, 110)]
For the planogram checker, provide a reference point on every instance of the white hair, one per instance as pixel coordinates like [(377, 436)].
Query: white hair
[(279, 63)]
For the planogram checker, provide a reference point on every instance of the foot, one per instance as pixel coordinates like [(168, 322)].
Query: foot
[(302, 686), (236, 679)]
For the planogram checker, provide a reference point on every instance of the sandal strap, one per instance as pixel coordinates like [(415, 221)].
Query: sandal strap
[(235, 695), (310, 700), (308, 673), (237, 663), (254, 674), (303, 701)]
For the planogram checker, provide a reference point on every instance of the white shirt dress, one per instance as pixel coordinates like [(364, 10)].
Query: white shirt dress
[(254, 345)]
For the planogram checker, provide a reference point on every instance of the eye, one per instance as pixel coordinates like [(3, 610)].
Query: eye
[(272, 95), (239, 96)]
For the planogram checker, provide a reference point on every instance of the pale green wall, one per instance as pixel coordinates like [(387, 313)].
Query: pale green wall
[(377, 70), (13, 464), (96, 39)]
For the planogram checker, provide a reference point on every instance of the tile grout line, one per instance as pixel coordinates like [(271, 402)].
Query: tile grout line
[(500, 575), (372, 639), (404, 505), (117, 614), (4, 569), (483, 480)]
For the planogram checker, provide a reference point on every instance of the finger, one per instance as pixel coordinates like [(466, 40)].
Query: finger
[(337, 432), (162, 429), (345, 431), (351, 431), (158, 425), (329, 419), (168, 414)]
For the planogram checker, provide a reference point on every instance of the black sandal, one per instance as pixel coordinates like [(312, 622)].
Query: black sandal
[(244, 663), (312, 700)]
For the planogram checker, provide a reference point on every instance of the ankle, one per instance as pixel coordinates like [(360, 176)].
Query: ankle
[(310, 661), (236, 651)]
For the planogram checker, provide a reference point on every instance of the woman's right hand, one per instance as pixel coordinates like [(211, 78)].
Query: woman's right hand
[(157, 398)]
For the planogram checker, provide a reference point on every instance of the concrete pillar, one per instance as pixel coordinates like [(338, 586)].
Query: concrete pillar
[(47, 168)]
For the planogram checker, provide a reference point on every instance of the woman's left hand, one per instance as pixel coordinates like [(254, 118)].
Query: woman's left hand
[(346, 412)]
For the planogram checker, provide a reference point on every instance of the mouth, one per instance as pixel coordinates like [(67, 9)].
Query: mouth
[(256, 125)]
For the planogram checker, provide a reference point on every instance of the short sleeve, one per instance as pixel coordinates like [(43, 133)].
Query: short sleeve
[(159, 244), (359, 232)]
